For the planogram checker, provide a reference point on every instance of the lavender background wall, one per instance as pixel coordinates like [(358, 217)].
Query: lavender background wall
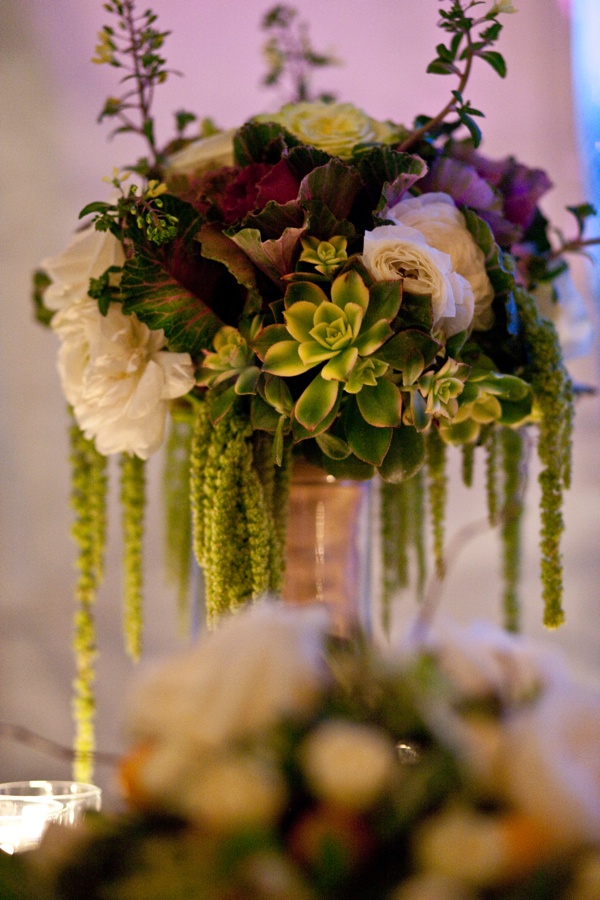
[(52, 157)]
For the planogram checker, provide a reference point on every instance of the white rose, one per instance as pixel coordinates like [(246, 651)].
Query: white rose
[(443, 226), (118, 377), (348, 764), (88, 255), (481, 658), (394, 252), (212, 152), (552, 762), (264, 661), (484, 660)]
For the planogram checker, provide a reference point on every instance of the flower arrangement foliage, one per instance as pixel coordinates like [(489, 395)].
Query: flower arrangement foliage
[(272, 761), (313, 283)]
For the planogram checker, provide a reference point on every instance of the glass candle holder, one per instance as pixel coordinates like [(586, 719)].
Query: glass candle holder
[(74, 796), (23, 821)]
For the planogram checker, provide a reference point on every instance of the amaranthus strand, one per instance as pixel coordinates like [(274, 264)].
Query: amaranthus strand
[(436, 465), (178, 523), (512, 447), (237, 535), (88, 499), (199, 476), (468, 462), (553, 393), (133, 501), (417, 495), (276, 484), (394, 543), (491, 474)]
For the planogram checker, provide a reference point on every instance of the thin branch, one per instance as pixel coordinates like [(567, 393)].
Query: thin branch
[(19, 735), (436, 120)]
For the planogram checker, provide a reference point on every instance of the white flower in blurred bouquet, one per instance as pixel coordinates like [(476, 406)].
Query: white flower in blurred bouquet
[(262, 662), (551, 762), (348, 764)]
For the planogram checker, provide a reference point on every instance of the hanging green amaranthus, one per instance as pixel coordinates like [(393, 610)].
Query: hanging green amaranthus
[(88, 499), (178, 522), (395, 536), (468, 464), (234, 531), (437, 486), (491, 474), (133, 501), (512, 515), (276, 484), (553, 394), (402, 518)]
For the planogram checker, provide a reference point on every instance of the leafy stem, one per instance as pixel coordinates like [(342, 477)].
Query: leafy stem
[(430, 124), (579, 243), (133, 46), (289, 53), (464, 47)]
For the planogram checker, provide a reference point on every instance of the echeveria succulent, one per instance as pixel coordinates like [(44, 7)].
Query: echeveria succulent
[(340, 333)]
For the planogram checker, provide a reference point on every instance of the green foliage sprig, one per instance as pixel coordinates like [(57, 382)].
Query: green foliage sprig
[(579, 243), (290, 55), (41, 281), (143, 211), (88, 499), (471, 38)]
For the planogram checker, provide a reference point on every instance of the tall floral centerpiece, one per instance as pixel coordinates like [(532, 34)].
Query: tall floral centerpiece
[(315, 285)]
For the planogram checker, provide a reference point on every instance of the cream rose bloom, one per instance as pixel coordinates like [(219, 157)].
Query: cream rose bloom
[(118, 377), (394, 252), (115, 371), (88, 254), (212, 152), (443, 226), (335, 128)]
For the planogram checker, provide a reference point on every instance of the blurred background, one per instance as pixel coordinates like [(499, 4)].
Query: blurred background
[(53, 157)]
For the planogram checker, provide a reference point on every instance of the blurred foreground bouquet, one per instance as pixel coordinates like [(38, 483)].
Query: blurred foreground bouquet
[(314, 768), (313, 284)]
